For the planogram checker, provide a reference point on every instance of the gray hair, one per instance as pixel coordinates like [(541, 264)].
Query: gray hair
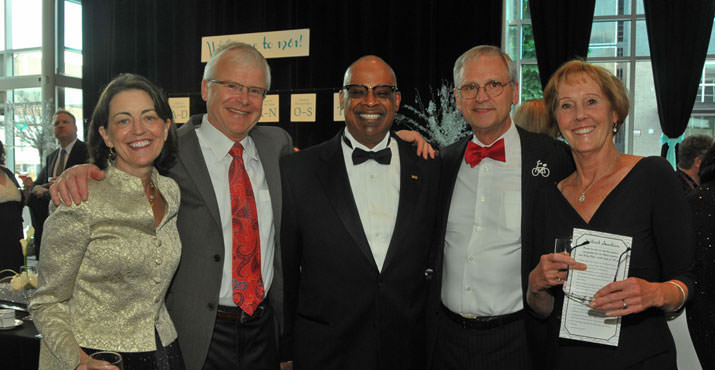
[(246, 54), (478, 51)]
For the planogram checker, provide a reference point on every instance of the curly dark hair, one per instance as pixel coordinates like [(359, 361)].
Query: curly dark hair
[(707, 166), (2, 154), (98, 150)]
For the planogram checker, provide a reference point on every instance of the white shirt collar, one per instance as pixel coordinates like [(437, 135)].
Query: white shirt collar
[(355, 144), (221, 144)]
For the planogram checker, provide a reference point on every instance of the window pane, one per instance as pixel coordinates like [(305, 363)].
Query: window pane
[(26, 24), (28, 63), (528, 51), (610, 39), (525, 10), (701, 124), (513, 10), (642, 47), (711, 45), (512, 40), (639, 7), (73, 103), (612, 7), (530, 83), (646, 130), (34, 134), (73, 64), (73, 25), (2, 24)]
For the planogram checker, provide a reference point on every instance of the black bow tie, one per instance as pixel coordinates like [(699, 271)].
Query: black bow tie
[(381, 156)]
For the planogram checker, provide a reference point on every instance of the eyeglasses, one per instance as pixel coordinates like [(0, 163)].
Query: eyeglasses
[(384, 92), (491, 88), (236, 88), (583, 299)]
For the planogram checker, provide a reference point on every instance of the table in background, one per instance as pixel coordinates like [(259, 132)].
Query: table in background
[(19, 347)]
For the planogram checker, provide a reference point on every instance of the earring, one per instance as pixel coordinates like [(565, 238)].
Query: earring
[(112, 153), (615, 127)]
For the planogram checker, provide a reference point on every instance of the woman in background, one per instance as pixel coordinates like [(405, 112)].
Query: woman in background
[(11, 203), (106, 264), (701, 310), (533, 116)]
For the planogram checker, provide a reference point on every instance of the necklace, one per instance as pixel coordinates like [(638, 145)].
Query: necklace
[(152, 192), (582, 197)]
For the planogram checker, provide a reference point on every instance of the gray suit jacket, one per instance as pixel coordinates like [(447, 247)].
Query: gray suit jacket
[(192, 299)]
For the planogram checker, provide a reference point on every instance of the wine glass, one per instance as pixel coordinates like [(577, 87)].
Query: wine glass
[(112, 358), (29, 272)]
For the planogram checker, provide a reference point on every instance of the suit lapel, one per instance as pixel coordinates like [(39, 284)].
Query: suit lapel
[(193, 160), (334, 177), (410, 187)]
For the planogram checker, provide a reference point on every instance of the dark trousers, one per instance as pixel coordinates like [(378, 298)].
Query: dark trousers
[(244, 346), (498, 348)]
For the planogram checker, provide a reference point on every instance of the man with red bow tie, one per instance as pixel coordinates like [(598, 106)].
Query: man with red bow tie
[(476, 312)]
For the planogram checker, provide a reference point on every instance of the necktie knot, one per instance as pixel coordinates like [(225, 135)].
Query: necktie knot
[(236, 150), (475, 152), (381, 156)]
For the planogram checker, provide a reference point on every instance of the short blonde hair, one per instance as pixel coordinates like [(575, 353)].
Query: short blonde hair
[(611, 86), (532, 116)]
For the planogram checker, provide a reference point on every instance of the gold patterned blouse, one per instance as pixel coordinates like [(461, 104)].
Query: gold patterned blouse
[(104, 270)]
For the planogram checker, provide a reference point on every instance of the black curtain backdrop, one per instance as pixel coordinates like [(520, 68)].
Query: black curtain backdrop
[(161, 39), (678, 34), (562, 30)]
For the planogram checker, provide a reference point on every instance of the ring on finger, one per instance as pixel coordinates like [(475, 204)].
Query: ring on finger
[(624, 304)]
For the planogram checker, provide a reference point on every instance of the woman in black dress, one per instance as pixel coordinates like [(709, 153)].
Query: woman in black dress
[(613, 193), (701, 309), (11, 202)]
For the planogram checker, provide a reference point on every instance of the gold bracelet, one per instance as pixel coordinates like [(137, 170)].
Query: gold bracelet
[(682, 292)]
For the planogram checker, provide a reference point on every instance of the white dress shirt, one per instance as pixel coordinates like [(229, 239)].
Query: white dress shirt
[(376, 190), (215, 147), (482, 254)]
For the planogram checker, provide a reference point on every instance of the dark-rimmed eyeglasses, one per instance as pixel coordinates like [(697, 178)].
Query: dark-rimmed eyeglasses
[(357, 91), (236, 88), (491, 88), (587, 299)]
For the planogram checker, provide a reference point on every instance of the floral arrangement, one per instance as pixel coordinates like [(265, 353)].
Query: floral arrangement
[(26, 279), (440, 121)]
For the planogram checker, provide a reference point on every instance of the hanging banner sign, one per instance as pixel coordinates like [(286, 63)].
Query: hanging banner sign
[(302, 108), (271, 108), (338, 114), (180, 107), (275, 44)]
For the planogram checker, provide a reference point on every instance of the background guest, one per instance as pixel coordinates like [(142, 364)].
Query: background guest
[(11, 203), (701, 309), (106, 264), (690, 156), (532, 116), (72, 151), (615, 193)]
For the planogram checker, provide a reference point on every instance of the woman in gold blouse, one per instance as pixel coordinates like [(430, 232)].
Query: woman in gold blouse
[(106, 263)]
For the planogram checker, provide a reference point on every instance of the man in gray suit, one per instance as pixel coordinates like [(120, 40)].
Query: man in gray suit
[(214, 332)]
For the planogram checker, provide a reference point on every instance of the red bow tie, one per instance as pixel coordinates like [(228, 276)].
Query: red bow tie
[(475, 152)]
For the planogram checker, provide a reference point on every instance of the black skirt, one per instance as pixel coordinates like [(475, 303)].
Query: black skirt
[(164, 358)]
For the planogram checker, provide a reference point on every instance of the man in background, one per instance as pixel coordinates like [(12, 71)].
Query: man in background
[(72, 151), (690, 155)]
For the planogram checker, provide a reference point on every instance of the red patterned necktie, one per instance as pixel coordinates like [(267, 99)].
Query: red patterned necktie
[(475, 152), (247, 283)]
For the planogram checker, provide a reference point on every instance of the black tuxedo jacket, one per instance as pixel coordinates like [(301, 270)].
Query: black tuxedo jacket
[(536, 150), (341, 311), (39, 205)]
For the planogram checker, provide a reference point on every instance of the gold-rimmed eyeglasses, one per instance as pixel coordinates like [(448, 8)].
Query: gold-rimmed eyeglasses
[(491, 88), (357, 91), (236, 88)]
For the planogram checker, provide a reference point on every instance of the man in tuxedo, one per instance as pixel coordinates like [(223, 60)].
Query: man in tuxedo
[(476, 307), (226, 297), (358, 218), (72, 151)]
